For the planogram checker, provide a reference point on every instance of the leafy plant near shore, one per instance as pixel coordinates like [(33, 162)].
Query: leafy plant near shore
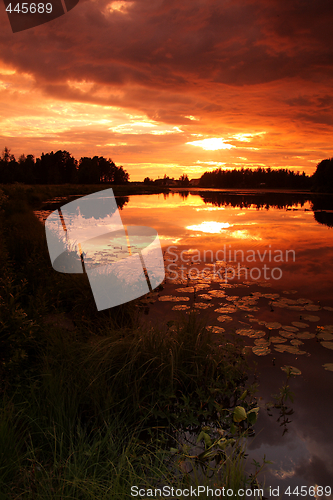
[(94, 402), (281, 399)]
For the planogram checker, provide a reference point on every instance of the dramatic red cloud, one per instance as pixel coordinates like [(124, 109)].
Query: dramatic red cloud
[(141, 81)]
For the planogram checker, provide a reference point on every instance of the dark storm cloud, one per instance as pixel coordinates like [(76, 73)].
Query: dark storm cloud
[(175, 45)]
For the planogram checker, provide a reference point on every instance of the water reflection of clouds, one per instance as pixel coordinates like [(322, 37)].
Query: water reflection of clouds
[(210, 209), (299, 460), (243, 234)]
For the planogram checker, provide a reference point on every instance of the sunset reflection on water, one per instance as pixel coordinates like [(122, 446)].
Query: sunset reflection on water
[(246, 225)]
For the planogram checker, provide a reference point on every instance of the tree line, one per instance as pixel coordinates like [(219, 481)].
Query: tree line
[(62, 168), (260, 177), (59, 168)]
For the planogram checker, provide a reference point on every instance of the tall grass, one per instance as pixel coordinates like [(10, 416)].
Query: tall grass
[(93, 403)]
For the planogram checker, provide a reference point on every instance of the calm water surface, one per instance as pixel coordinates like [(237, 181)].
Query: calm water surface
[(253, 225), (265, 261)]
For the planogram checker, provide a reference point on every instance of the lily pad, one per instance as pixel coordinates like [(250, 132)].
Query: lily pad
[(278, 340), (172, 298), (292, 370), (249, 332), (180, 307), (328, 328), (287, 335), (279, 304), (305, 335), (261, 350), (215, 329), (224, 318), (328, 308), (273, 326), (328, 345), (328, 366), (201, 285), (312, 307), (262, 342), (245, 331), (247, 308), (217, 293), (304, 301), (296, 342), (232, 298), (226, 309), (325, 336), (299, 324), (201, 305), (205, 296), (290, 328), (310, 317), (289, 348)]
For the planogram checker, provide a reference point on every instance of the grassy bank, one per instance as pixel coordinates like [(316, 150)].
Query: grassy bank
[(95, 402), (35, 195)]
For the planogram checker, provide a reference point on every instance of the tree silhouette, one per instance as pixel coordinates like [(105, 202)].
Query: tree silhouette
[(259, 178), (8, 167), (59, 168), (184, 180), (322, 179)]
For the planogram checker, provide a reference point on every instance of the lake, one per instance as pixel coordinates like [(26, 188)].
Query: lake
[(260, 265)]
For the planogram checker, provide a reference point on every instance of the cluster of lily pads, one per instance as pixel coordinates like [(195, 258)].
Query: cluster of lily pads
[(272, 335)]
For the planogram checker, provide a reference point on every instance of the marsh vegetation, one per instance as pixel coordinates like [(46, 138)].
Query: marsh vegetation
[(93, 403)]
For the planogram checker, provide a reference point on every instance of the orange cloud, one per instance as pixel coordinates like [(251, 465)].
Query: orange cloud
[(140, 82)]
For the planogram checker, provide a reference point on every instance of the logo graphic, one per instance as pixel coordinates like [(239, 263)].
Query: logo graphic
[(25, 15), (87, 235)]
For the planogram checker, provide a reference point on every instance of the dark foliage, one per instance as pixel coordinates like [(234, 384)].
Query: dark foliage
[(259, 178), (59, 168), (322, 179), (184, 180), (322, 207), (148, 181)]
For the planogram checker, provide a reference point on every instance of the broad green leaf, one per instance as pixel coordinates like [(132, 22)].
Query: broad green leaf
[(252, 416), (239, 414)]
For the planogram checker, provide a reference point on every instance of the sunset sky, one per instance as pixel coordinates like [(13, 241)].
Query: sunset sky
[(173, 86)]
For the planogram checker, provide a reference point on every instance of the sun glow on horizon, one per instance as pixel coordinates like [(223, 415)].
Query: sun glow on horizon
[(211, 144)]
